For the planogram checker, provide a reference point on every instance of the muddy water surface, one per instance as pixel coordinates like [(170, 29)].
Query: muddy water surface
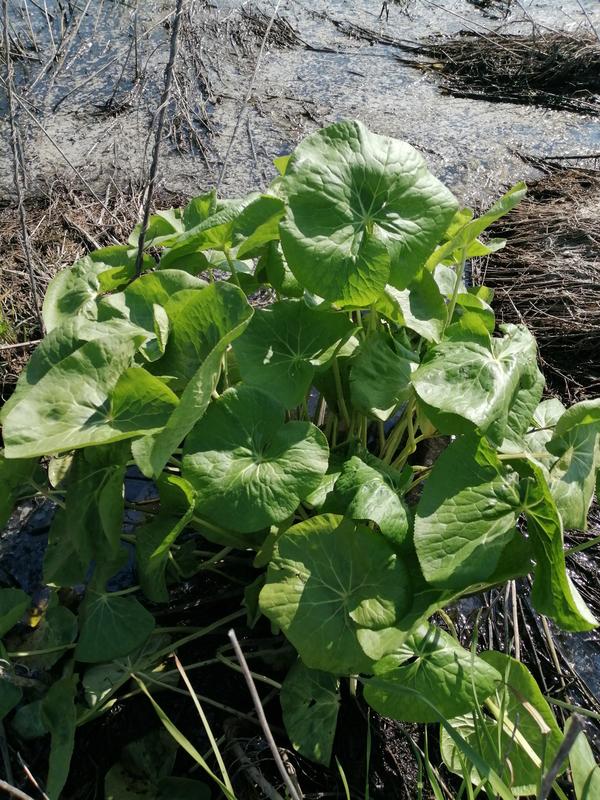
[(323, 61)]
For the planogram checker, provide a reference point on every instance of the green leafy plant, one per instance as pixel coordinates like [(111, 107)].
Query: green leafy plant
[(301, 431)]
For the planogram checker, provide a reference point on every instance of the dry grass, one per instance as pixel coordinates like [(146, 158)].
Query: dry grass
[(555, 70), (64, 224), (548, 275)]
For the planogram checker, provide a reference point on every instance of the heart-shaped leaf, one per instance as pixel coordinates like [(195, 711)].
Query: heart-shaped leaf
[(363, 211), (468, 380), (310, 702), (111, 627), (284, 344), (328, 578), (431, 665), (249, 469)]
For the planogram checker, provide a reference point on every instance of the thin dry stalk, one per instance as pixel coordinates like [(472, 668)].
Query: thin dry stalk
[(158, 137), (293, 791), (18, 169)]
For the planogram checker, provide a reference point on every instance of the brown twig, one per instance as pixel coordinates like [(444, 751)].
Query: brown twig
[(18, 169), (158, 137), (14, 792), (262, 717)]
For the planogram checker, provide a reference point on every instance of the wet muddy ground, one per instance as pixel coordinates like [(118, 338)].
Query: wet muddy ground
[(88, 78), (91, 89)]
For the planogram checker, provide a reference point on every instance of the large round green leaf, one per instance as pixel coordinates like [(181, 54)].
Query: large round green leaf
[(284, 344), (328, 578), (249, 469), (363, 211), (429, 669)]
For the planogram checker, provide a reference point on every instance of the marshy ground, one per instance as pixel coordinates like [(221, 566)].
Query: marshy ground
[(489, 91)]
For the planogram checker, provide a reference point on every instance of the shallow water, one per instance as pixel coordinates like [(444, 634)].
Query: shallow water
[(470, 144)]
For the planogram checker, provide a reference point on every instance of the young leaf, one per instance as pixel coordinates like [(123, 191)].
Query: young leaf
[(111, 627), (464, 236), (380, 375), (221, 317), (154, 539), (363, 211), (466, 515), (310, 702), (328, 578), (246, 224), (199, 209), (431, 664), (249, 469), (59, 716)]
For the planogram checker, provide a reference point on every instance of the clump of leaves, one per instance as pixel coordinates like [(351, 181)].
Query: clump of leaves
[(297, 431)]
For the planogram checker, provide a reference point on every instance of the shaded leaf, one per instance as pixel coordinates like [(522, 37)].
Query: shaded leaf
[(59, 716), (111, 626), (380, 375), (13, 604), (154, 539), (310, 702)]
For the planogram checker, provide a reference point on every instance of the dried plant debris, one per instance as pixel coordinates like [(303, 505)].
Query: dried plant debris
[(555, 70), (494, 9), (64, 224), (548, 275)]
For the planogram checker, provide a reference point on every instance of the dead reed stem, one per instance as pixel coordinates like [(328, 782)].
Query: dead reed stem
[(158, 136), (19, 168)]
